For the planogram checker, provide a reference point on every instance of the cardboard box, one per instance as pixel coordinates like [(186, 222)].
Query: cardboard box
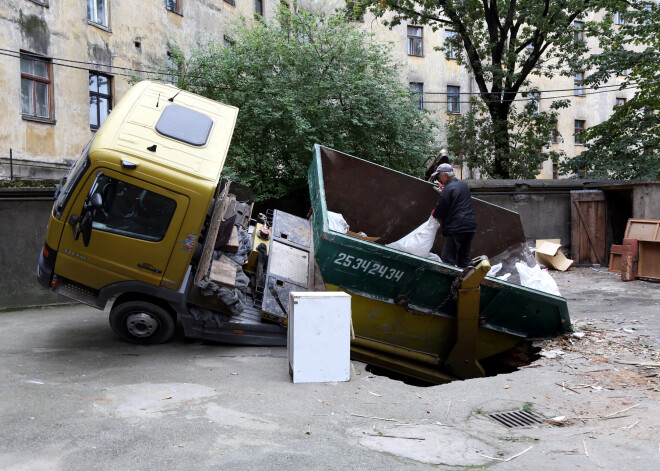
[(548, 253)]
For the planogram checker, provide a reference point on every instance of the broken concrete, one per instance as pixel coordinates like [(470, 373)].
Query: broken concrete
[(93, 402)]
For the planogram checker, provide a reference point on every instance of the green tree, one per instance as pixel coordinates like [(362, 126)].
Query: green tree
[(504, 43), (531, 134), (626, 145), (305, 78)]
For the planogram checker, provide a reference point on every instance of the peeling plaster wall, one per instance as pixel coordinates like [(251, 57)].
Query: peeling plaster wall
[(61, 30)]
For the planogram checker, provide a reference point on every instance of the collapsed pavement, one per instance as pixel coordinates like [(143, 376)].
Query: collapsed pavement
[(93, 402)]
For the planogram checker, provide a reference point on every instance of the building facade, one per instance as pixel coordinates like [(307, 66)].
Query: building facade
[(65, 63)]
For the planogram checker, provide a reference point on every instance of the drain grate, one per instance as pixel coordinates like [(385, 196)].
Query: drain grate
[(517, 418)]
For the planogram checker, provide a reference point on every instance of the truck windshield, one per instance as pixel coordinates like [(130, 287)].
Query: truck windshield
[(70, 180)]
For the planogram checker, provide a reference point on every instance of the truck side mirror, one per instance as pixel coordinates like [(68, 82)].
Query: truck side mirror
[(73, 222), (97, 201)]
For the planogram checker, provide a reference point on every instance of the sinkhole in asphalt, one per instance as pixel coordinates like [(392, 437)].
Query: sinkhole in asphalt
[(524, 354)]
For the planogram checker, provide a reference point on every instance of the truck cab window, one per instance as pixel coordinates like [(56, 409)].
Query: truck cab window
[(132, 211)]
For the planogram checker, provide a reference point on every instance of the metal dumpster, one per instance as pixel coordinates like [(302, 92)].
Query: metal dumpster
[(397, 297)]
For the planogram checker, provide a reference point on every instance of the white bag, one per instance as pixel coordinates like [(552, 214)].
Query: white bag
[(420, 241), (337, 223), (537, 279)]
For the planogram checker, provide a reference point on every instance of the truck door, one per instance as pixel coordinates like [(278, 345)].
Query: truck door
[(132, 236)]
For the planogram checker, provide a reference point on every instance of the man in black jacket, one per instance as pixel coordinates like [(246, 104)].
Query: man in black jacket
[(454, 211)]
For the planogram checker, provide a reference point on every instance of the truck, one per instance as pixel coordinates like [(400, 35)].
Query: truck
[(145, 221), (136, 219)]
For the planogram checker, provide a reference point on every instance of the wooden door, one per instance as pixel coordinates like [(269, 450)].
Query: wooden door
[(588, 227)]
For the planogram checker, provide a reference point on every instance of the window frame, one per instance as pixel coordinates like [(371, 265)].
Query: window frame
[(177, 8), (578, 84), (579, 33), (620, 101), (418, 87), (578, 132), (259, 7), (36, 78), (106, 4), (231, 2), (620, 18), (535, 97), (350, 12), (107, 96), (413, 39), (554, 134), (451, 52), (454, 99)]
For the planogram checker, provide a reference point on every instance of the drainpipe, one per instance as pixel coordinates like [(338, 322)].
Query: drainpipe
[(11, 165)]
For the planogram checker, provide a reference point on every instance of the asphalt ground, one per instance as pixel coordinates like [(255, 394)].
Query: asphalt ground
[(74, 397)]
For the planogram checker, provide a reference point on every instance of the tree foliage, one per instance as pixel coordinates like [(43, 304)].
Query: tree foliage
[(305, 78), (531, 133), (504, 43), (626, 146)]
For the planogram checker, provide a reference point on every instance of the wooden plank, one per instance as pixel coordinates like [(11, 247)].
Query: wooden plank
[(221, 203), (223, 272), (649, 260), (642, 229), (232, 245)]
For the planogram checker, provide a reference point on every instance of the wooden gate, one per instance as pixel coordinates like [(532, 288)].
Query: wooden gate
[(588, 227)]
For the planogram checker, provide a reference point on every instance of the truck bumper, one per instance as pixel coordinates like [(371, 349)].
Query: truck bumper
[(45, 266)]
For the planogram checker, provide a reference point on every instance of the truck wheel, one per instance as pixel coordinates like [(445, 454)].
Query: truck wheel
[(141, 322)]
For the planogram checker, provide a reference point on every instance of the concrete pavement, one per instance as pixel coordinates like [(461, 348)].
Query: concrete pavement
[(74, 397)]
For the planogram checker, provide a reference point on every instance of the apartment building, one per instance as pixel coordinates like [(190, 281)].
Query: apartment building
[(446, 87), (64, 63)]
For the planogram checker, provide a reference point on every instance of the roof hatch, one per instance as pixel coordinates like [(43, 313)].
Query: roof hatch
[(185, 125)]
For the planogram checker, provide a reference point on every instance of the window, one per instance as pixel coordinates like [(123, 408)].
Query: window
[(227, 41), (418, 88), (132, 211), (579, 30), (231, 2), (555, 135), (619, 18), (415, 41), (36, 87), (97, 11), (41, 2), (174, 69), (174, 6), (620, 101), (530, 51), (578, 84), (555, 171), (451, 48), (259, 7), (579, 132), (354, 11), (100, 99), (453, 99), (535, 99)]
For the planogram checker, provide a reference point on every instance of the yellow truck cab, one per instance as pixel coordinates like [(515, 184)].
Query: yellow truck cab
[(131, 218)]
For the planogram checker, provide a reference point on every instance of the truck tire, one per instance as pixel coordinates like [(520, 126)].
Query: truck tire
[(142, 322)]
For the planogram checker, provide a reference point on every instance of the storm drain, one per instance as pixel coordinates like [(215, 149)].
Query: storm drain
[(517, 418)]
